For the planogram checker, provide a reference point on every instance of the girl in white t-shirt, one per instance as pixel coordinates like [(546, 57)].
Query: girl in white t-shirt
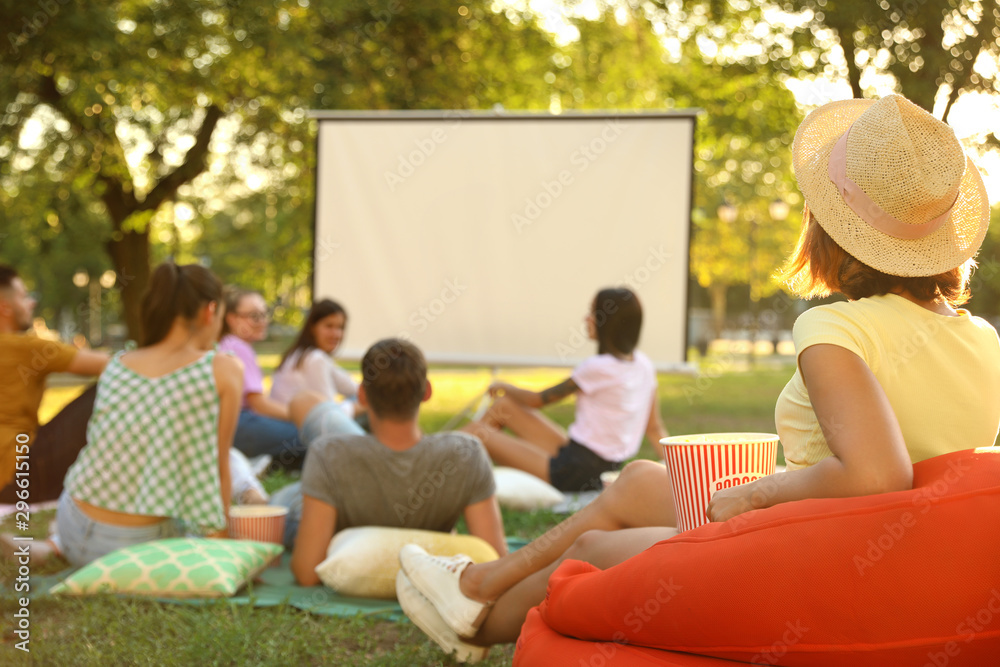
[(308, 366), (616, 404)]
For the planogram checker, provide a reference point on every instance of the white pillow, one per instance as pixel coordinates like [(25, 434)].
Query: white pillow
[(363, 562), (519, 490)]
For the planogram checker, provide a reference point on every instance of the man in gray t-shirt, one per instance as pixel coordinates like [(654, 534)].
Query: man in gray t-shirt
[(427, 486), (397, 476)]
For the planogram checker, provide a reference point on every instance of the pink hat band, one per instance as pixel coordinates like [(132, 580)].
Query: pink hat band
[(868, 210)]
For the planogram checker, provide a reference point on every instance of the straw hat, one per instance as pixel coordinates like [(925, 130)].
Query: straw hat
[(891, 185)]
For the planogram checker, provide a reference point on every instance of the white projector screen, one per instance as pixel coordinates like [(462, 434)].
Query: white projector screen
[(484, 237)]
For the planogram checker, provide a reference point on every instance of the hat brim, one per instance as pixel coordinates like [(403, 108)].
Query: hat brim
[(949, 246)]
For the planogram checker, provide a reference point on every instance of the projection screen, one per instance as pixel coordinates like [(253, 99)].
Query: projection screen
[(483, 237)]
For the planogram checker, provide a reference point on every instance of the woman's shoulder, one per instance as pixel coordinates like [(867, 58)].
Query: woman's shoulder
[(225, 362), (839, 311), (227, 367), (613, 366), (642, 358), (314, 358), (314, 354)]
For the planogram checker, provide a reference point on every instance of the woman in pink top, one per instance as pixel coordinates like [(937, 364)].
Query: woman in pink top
[(616, 404), (264, 426)]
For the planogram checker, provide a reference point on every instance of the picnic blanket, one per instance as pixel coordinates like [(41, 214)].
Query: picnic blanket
[(276, 586)]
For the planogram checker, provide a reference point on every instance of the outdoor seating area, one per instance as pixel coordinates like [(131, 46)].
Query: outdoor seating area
[(543, 333)]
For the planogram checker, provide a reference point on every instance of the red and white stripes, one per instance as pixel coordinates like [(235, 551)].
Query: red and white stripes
[(700, 465)]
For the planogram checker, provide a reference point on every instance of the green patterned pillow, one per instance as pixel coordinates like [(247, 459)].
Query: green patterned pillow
[(176, 567)]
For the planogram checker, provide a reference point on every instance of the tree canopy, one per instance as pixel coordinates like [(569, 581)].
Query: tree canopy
[(134, 130)]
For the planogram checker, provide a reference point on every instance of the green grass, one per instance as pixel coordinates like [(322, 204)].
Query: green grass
[(111, 631)]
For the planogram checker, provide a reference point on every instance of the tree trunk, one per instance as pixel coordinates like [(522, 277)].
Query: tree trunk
[(130, 254), (717, 293), (850, 48)]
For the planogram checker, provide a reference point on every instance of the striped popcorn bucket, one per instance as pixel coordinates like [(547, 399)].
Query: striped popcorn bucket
[(261, 523), (700, 465)]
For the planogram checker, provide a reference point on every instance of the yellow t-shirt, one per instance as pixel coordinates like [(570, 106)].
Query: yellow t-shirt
[(941, 375), (25, 361)]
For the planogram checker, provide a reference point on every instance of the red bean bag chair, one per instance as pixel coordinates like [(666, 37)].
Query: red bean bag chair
[(538, 644), (907, 578)]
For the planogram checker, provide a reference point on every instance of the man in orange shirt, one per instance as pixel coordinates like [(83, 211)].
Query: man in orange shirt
[(25, 362)]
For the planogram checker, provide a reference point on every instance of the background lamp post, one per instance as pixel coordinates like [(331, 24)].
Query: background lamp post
[(778, 209), (105, 281)]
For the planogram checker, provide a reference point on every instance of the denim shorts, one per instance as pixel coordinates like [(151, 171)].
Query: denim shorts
[(327, 419), (83, 540)]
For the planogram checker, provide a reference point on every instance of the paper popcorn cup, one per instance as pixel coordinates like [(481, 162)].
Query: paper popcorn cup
[(700, 465), (261, 523), (609, 477)]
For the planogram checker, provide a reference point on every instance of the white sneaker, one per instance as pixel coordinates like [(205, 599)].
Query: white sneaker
[(437, 578), (423, 614), (39, 550)]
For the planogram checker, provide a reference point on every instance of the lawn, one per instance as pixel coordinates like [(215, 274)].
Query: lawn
[(110, 631)]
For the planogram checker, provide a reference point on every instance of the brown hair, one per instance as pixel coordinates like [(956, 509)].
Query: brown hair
[(175, 291), (394, 376), (618, 320), (232, 296), (307, 340), (7, 275), (819, 267)]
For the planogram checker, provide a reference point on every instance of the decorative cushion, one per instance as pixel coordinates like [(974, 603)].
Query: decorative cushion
[(362, 562), (177, 567), (522, 491), (907, 578)]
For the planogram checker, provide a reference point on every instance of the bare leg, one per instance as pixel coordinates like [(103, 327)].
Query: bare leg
[(300, 405), (511, 451), (640, 498), (601, 548), (535, 440), (527, 424)]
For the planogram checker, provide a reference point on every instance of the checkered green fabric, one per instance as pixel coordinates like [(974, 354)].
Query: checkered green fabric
[(152, 446)]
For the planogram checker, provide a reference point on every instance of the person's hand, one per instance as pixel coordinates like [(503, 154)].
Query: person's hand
[(500, 389), (727, 503)]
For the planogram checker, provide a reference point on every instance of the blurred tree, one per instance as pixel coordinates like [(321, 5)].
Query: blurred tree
[(364, 55), (115, 106), (985, 283), (127, 107), (933, 50), (936, 50), (180, 128), (634, 58)]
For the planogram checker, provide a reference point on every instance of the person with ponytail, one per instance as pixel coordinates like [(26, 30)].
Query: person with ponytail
[(156, 463), (264, 426)]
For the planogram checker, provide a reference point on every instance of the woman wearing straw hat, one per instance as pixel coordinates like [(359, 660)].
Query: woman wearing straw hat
[(897, 374)]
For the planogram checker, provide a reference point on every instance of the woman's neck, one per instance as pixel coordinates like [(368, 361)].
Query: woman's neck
[(938, 305), (621, 357)]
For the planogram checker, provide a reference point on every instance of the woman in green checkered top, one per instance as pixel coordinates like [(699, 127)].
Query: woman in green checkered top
[(156, 462)]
